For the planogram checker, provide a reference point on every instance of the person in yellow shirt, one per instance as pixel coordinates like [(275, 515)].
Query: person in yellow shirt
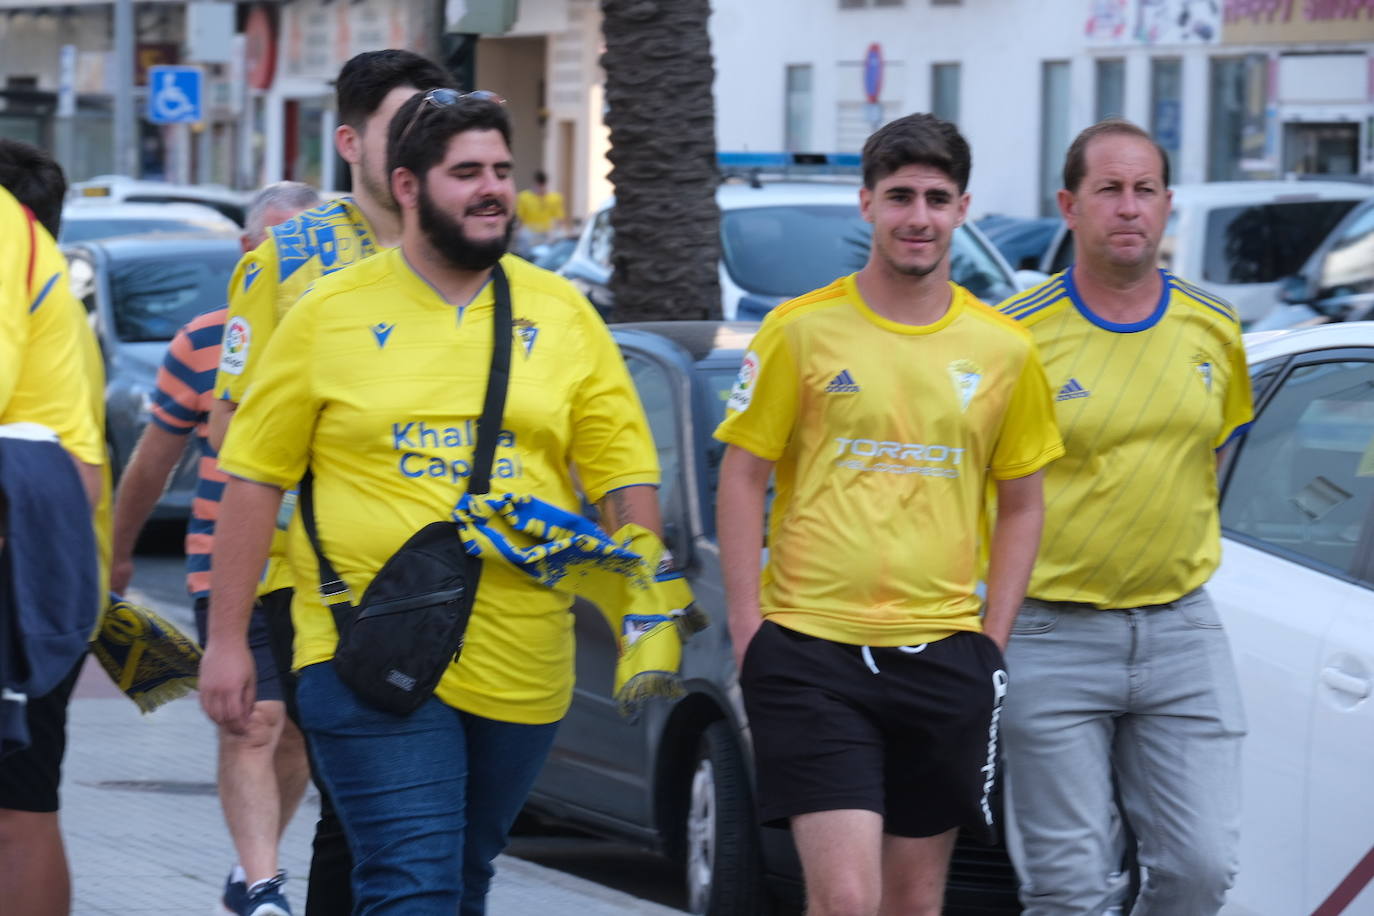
[(885, 404), (541, 214), (51, 374), (1124, 683), (267, 281), (373, 382)]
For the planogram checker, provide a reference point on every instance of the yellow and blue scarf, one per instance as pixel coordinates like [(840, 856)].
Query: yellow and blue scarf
[(629, 576), (147, 658)]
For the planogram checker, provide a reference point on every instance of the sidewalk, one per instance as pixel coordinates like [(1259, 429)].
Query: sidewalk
[(145, 835)]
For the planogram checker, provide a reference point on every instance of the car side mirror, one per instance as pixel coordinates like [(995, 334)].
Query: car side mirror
[(1296, 289)]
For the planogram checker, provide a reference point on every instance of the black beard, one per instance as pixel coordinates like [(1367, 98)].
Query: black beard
[(447, 237)]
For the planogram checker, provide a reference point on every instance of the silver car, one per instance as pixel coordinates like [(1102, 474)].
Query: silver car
[(139, 291)]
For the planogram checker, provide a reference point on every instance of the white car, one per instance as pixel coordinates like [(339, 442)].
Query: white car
[(781, 239), (1238, 239), (87, 219), (1296, 593), (227, 201)]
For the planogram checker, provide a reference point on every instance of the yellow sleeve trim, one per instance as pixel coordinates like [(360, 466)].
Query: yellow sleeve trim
[(1027, 468)]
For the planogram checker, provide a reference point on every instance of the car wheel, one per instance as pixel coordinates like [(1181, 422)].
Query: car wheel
[(722, 847)]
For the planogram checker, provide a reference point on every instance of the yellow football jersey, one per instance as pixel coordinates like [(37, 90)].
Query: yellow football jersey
[(268, 281), (1131, 509), (376, 383), (884, 435), (44, 375)]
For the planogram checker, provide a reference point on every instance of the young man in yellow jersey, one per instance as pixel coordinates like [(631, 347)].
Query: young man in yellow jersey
[(268, 280), (540, 212), (373, 382), (884, 403), (51, 375), (1123, 681)]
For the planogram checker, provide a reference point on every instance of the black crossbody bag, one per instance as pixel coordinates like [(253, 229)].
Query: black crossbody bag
[(395, 645)]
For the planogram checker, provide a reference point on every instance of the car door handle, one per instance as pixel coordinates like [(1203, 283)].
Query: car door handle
[(1337, 679)]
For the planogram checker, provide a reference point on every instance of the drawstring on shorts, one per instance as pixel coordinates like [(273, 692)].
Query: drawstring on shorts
[(867, 654)]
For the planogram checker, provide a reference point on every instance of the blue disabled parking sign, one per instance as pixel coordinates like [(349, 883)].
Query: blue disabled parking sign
[(174, 94)]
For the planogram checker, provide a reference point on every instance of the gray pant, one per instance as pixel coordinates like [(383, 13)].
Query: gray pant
[(1144, 700)]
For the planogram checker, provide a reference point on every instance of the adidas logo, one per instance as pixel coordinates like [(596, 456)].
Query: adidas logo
[(1072, 390), (843, 384)]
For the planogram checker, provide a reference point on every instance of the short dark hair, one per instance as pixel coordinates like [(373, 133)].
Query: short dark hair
[(1076, 159), (36, 181), (917, 139), (540, 177), (366, 79), (427, 141)]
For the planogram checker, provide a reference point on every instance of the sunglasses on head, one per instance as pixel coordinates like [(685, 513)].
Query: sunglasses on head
[(447, 98)]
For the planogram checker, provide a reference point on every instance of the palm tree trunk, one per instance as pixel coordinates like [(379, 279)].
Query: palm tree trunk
[(661, 114)]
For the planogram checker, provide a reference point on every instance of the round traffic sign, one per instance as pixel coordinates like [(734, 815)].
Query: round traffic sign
[(873, 72)]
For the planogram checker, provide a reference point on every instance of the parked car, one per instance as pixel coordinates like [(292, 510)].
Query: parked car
[(1023, 242), (233, 204), (139, 291), (1239, 239), (1296, 592), (87, 219), (1294, 587), (1336, 283), (781, 239)]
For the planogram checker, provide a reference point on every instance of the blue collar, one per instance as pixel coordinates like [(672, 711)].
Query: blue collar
[(1143, 325)]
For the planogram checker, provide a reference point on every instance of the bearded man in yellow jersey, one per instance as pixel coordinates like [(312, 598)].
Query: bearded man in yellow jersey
[(1123, 677), (374, 382), (267, 282), (884, 403)]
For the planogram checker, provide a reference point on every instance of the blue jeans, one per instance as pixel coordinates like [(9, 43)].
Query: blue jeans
[(1143, 699), (426, 799)]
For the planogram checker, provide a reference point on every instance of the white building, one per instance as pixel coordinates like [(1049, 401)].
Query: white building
[(1233, 88)]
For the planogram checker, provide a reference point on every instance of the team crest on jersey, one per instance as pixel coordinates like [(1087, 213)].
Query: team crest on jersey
[(233, 355), (966, 376), (526, 332), (1203, 366), (743, 391)]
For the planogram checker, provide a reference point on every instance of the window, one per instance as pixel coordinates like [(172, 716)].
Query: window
[(154, 295), (655, 386), (1236, 119), (603, 236), (944, 92), (1054, 131), (1166, 106), (1303, 481), (1110, 98), (1349, 266), (1266, 242), (797, 127)]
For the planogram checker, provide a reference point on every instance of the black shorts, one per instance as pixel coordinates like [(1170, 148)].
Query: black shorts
[(908, 733), (29, 778), (269, 638)]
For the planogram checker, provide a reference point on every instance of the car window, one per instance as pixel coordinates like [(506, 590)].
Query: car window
[(602, 238), (154, 296), (1349, 266), (1262, 243), (784, 251), (655, 386), (1304, 478)]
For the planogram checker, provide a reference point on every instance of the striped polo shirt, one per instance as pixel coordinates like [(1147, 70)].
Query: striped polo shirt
[(181, 404)]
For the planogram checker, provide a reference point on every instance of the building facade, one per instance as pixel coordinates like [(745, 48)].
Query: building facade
[(1234, 89)]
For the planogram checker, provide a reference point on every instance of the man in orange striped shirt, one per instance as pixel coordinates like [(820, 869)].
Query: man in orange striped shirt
[(262, 774)]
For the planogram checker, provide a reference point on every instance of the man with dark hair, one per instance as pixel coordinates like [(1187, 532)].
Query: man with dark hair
[(268, 280), (35, 179), (1124, 685), (885, 403), (51, 374), (262, 774), (370, 383)]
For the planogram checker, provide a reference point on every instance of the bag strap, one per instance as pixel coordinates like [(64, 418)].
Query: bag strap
[(332, 587)]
